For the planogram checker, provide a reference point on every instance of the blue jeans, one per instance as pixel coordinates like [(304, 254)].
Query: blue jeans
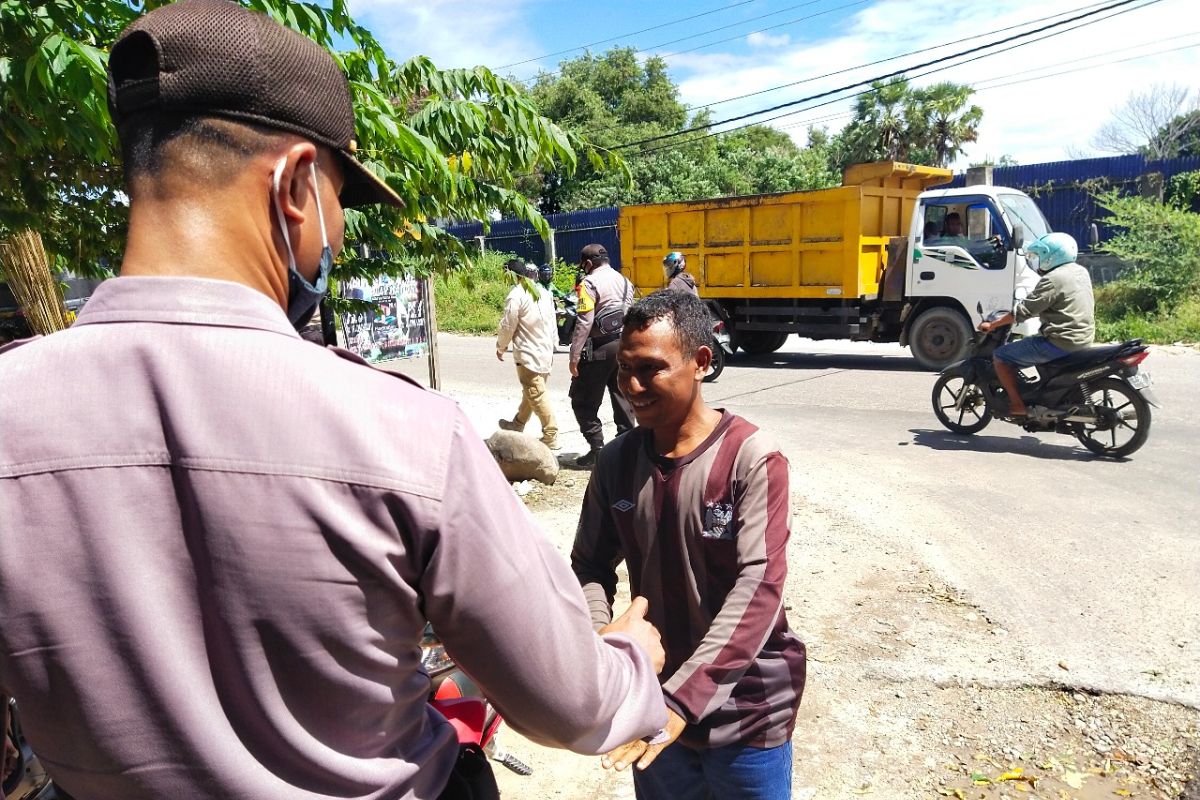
[(735, 772), (1029, 352)]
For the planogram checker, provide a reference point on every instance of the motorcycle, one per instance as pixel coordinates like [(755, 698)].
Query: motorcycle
[(460, 701), (1099, 395), (566, 314), (722, 347), (28, 779)]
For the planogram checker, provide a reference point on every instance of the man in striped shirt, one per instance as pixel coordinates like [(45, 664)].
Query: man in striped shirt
[(695, 501)]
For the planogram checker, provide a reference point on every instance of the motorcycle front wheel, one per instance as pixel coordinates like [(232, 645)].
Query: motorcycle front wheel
[(717, 365), (971, 415), (1132, 415)]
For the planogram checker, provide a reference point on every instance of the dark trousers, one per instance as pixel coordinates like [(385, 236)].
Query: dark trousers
[(587, 393)]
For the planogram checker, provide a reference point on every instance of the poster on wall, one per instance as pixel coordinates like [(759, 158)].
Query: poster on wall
[(394, 327)]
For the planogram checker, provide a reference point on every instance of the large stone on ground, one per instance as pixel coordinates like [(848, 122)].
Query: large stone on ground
[(522, 457)]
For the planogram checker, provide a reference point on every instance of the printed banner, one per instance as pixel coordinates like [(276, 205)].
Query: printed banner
[(396, 327)]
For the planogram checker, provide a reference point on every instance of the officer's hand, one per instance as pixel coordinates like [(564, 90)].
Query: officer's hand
[(984, 327), (634, 625), (643, 753), (574, 369), (499, 355)]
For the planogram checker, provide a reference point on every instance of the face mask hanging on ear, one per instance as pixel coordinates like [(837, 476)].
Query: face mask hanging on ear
[(303, 297)]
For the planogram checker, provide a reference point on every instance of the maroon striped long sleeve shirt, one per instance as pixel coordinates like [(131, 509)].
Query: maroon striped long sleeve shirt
[(705, 540)]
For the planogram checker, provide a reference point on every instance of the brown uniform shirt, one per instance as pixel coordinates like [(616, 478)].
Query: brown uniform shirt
[(705, 541)]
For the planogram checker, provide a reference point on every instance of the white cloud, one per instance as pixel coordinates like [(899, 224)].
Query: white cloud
[(1033, 121), (760, 39), (453, 33)]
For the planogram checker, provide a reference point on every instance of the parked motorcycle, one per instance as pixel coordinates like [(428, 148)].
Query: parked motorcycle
[(1099, 395), (722, 347), (460, 700)]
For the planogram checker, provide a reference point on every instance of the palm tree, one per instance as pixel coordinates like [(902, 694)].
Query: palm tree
[(949, 122), (879, 131)]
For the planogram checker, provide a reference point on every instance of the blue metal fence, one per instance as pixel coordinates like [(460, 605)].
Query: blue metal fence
[(1064, 190), (572, 230)]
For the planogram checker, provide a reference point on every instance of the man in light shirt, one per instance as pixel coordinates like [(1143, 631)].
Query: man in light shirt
[(528, 324)]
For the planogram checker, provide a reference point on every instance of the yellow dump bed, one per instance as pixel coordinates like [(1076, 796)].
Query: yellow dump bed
[(821, 244)]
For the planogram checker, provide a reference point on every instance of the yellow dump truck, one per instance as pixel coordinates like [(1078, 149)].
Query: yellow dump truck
[(883, 258)]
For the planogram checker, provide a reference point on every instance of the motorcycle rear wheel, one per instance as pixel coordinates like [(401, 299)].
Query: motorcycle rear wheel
[(971, 417), (1124, 438), (717, 365)]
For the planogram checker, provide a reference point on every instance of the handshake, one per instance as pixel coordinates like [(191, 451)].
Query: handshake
[(634, 625)]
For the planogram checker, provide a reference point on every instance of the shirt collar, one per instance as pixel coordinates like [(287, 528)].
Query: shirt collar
[(184, 301)]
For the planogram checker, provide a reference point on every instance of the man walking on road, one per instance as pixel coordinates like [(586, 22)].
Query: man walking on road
[(604, 295), (216, 587), (528, 324), (695, 501)]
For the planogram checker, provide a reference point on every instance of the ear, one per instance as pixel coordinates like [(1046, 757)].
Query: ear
[(295, 180), (704, 356)]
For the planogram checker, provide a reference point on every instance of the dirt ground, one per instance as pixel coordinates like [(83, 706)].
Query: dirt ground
[(912, 691)]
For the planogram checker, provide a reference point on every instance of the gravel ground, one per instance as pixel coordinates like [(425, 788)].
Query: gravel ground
[(912, 691)]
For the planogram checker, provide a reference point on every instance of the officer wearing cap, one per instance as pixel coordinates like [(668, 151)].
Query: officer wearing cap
[(239, 545), (604, 295)]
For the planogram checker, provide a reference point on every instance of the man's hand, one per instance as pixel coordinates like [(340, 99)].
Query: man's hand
[(9, 762), (499, 355), (643, 753), (574, 369), (985, 326), (634, 625)]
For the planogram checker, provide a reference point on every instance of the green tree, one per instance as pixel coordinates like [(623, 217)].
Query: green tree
[(449, 141), (613, 99), (895, 122), (948, 121)]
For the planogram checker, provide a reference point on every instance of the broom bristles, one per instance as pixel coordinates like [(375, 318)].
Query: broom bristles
[(24, 265)]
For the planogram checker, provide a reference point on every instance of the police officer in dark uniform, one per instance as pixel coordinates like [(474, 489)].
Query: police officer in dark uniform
[(604, 295)]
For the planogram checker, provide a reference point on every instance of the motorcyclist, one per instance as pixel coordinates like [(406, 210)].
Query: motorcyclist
[(1062, 299), (546, 278), (678, 279)]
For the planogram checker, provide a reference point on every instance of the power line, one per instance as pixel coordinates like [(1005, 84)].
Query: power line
[(980, 88), (1082, 69), (896, 73), (764, 30), (725, 27), (893, 58), (624, 35)]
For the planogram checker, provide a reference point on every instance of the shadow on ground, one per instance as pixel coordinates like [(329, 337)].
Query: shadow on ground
[(1024, 445), (847, 361)]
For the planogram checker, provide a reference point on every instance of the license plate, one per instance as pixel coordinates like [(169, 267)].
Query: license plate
[(1140, 380)]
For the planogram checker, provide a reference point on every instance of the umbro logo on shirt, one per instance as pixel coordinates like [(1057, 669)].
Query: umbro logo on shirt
[(623, 506)]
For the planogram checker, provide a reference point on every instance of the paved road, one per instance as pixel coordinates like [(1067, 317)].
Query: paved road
[(1092, 566)]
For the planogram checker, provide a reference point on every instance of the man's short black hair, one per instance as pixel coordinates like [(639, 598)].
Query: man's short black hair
[(953, 215), (203, 150), (686, 313)]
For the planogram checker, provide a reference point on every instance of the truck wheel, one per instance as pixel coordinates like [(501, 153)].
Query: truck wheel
[(939, 337), (761, 343)]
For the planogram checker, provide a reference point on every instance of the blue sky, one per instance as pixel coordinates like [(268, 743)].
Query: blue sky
[(1030, 111)]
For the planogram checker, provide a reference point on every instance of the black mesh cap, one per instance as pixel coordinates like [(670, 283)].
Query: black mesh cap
[(214, 57)]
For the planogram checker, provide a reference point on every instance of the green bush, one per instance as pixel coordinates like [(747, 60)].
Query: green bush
[(1161, 244), (1180, 324), (471, 301), (1119, 299)]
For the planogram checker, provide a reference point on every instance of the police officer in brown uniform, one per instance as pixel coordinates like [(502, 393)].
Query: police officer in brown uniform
[(604, 295)]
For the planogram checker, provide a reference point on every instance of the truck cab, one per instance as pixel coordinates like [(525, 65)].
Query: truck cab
[(967, 246)]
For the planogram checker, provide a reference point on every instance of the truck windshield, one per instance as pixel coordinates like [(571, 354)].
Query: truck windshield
[(1024, 212)]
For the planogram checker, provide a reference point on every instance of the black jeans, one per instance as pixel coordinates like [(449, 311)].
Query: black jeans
[(596, 375)]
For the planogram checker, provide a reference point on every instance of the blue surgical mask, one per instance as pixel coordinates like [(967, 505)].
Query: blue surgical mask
[(303, 297)]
